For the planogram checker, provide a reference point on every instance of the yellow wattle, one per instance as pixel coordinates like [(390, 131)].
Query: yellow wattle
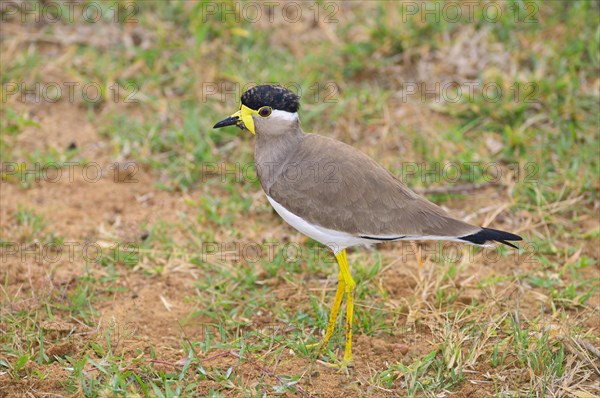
[(246, 116)]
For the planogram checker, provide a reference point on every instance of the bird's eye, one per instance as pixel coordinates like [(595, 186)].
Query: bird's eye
[(265, 111)]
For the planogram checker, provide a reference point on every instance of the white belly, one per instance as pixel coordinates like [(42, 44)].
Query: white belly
[(335, 240)]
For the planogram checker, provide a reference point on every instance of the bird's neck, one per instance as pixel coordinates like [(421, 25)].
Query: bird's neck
[(272, 153)]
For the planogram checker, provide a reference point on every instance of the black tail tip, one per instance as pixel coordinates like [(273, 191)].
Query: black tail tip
[(494, 235)]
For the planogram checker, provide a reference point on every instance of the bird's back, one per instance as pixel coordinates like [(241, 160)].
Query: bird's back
[(333, 185)]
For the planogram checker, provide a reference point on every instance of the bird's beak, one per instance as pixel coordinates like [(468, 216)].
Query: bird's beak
[(242, 119)]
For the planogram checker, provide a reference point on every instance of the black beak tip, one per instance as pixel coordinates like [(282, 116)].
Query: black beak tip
[(230, 121)]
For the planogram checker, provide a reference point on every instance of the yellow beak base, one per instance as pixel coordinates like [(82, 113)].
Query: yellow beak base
[(244, 116), (242, 119)]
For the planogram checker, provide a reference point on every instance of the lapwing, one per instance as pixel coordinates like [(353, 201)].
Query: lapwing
[(337, 195)]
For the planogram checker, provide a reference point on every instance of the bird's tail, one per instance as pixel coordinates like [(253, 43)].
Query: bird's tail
[(491, 235)]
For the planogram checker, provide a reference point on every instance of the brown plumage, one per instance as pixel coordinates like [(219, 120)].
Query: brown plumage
[(331, 184)]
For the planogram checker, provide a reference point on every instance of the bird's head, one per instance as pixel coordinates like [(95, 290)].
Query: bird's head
[(265, 109)]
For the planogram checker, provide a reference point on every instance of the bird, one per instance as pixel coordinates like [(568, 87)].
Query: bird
[(338, 195)]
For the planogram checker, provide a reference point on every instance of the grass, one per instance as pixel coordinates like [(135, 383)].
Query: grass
[(225, 298)]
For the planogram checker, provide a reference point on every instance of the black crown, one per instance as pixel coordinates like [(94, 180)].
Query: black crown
[(277, 97)]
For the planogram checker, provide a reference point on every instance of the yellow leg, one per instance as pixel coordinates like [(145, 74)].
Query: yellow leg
[(349, 290), (337, 302), (345, 286)]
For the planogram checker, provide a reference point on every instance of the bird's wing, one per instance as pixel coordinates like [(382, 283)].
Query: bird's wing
[(331, 184)]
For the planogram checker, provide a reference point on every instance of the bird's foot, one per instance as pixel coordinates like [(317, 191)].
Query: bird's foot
[(318, 347), (312, 346), (341, 366)]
